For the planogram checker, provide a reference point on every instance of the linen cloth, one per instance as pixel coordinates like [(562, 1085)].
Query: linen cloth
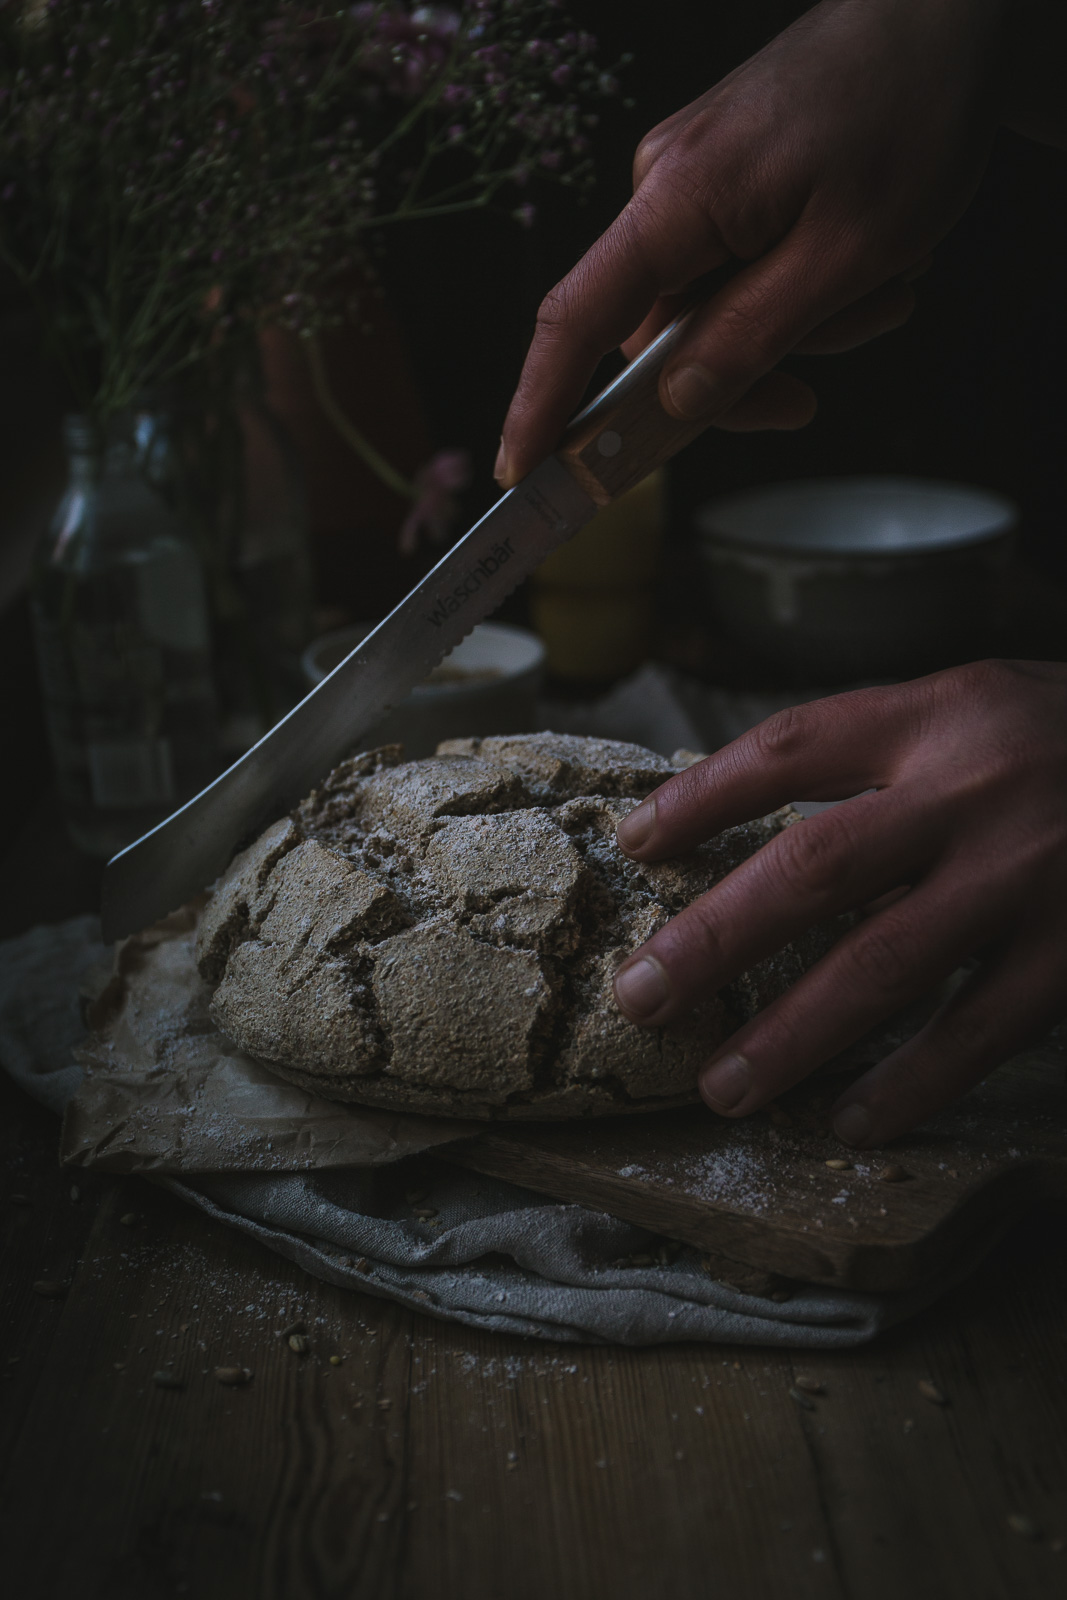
[(495, 1257)]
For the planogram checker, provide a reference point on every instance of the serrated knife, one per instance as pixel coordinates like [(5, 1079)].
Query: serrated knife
[(619, 438)]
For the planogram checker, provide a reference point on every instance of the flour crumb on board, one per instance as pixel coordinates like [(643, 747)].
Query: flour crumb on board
[(736, 1174)]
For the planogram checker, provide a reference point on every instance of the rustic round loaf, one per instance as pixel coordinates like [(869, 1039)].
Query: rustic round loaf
[(441, 935)]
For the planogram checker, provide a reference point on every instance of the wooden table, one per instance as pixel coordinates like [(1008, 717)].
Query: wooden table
[(434, 1463)]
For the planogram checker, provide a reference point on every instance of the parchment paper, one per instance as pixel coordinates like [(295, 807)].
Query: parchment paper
[(165, 1092), (481, 1252), (157, 1089)]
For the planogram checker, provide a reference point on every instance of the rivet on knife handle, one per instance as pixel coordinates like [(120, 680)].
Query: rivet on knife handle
[(624, 434)]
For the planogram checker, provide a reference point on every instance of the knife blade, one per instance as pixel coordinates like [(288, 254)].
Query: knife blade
[(609, 447)]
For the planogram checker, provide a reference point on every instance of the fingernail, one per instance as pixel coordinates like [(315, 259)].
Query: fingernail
[(500, 466), (641, 988), (853, 1125), (726, 1082), (636, 827), (692, 391)]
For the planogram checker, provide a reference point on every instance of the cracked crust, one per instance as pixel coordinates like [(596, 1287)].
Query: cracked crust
[(442, 935)]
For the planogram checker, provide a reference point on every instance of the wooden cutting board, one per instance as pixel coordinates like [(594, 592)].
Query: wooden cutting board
[(759, 1196)]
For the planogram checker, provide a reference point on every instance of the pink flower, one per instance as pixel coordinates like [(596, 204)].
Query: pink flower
[(436, 482)]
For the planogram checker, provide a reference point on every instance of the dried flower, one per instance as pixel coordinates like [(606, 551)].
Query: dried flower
[(435, 484), (173, 182)]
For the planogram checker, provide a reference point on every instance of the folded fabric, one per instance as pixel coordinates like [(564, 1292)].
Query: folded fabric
[(479, 1251)]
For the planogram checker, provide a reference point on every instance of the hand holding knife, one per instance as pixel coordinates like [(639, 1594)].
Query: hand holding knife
[(615, 442)]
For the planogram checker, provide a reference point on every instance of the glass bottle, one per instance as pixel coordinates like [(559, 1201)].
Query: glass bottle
[(233, 471), (123, 642)]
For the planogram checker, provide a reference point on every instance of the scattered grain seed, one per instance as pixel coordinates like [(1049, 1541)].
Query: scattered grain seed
[(931, 1392), (167, 1380), (415, 1197), (737, 1366), (952, 1172), (119, 1366), (892, 1174), (808, 1383), (802, 1400), (11, 1360), (385, 1405), (1025, 1527), (19, 1199), (233, 1377), (335, 1361), (129, 1219), (781, 1295), (297, 1342), (642, 1261), (511, 1466), (425, 1211), (909, 1424), (362, 1264), (294, 1327), (838, 1164), (419, 1294), (75, 1192), (50, 1288)]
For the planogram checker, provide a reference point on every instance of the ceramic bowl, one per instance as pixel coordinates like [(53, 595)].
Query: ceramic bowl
[(839, 579), (488, 684)]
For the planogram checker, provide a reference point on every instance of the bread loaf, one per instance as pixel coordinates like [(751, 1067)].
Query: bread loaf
[(441, 935)]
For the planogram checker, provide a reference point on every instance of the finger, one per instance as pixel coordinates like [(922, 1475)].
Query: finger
[(777, 401), (593, 310), (827, 750), (880, 312), (882, 965), (757, 318), (1006, 1007), (666, 308), (809, 872)]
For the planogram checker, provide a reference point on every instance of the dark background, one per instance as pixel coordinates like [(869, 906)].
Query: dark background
[(970, 389)]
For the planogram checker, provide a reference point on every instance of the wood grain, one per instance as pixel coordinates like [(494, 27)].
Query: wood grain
[(499, 1466), (624, 433), (759, 1196)]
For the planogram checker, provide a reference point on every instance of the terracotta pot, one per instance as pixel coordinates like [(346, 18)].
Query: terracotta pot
[(354, 516)]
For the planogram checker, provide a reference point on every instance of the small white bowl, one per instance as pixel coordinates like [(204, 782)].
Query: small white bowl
[(489, 685)]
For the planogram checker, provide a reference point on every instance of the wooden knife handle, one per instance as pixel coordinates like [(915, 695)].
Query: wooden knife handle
[(624, 434)]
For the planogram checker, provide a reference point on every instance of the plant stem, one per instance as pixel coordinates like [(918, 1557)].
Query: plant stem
[(362, 446)]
